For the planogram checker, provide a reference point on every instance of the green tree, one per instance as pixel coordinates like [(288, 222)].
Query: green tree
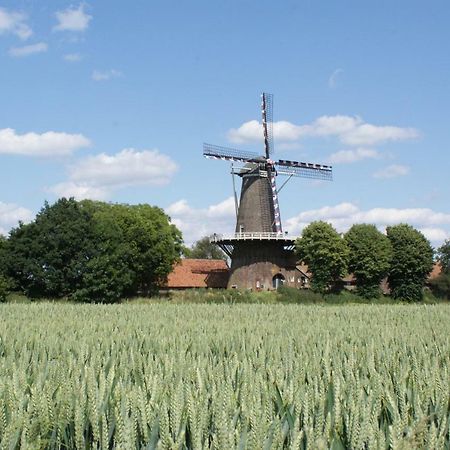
[(325, 253), (47, 256), (5, 282), (204, 249), (93, 251), (412, 261), (369, 259), (3, 244), (150, 242), (440, 285), (443, 256)]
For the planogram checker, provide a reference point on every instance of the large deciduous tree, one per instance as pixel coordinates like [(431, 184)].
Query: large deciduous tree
[(326, 254), (412, 261), (369, 259), (205, 249), (441, 284), (443, 256), (47, 257), (92, 251)]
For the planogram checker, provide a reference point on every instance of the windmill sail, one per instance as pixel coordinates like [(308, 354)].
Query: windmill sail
[(228, 154), (304, 170), (267, 121), (276, 205)]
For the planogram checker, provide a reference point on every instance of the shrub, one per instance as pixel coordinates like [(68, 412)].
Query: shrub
[(288, 294), (4, 288), (440, 286)]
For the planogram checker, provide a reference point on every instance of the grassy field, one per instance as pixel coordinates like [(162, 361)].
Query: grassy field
[(250, 376)]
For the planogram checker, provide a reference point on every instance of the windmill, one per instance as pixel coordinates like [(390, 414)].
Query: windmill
[(261, 255)]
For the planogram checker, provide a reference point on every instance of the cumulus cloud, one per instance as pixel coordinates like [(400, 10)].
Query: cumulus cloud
[(252, 132), (334, 77), (10, 214), (392, 171), (15, 23), (72, 57), (79, 191), (350, 156), (196, 223), (435, 234), (27, 50), (433, 224), (98, 75), (72, 19), (96, 177), (50, 143), (349, 130)]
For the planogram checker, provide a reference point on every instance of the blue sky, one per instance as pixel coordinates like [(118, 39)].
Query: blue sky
[(113, 100)]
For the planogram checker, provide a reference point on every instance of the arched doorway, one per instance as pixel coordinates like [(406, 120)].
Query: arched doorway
[(278, 280)]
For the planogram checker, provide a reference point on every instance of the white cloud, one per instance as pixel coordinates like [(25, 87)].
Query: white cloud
[(220, 218), (10, 214), (393, 171), (435, 234), (349, 130), (98, 75), (72, 19), (344, 215), (50, 143), (28, 49), (252, 132), (97, 176), (126, 168), (15, 23), (350, 156), (72, 57), (367, 134), (196, 223), (334, 77), (79, 191)]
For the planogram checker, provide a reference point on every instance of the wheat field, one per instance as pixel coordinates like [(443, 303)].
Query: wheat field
[(192, 376)]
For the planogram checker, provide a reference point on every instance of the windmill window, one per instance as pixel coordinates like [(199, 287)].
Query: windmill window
[(292, 279)]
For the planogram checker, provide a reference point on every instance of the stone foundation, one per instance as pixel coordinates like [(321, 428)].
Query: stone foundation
[(254, 265)]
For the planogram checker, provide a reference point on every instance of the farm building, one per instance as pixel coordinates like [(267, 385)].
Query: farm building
[(198, 273), (215, 273)]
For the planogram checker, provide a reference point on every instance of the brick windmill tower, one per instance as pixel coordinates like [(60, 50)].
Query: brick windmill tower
[(262, 256)]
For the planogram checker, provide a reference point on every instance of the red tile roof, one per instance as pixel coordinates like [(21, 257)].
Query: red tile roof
[(199, 273), (437, 269)]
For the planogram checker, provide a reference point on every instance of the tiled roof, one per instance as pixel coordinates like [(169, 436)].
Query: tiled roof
[(437, 269), (199, 273), (304, 269)]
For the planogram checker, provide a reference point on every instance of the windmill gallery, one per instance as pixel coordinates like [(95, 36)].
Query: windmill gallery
[(262, 256)]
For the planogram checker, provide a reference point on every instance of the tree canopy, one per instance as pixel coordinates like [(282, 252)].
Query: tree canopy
[(443, 256), (326, 254), (205, 249), (369, 259), (412, 261), (92, 251)]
